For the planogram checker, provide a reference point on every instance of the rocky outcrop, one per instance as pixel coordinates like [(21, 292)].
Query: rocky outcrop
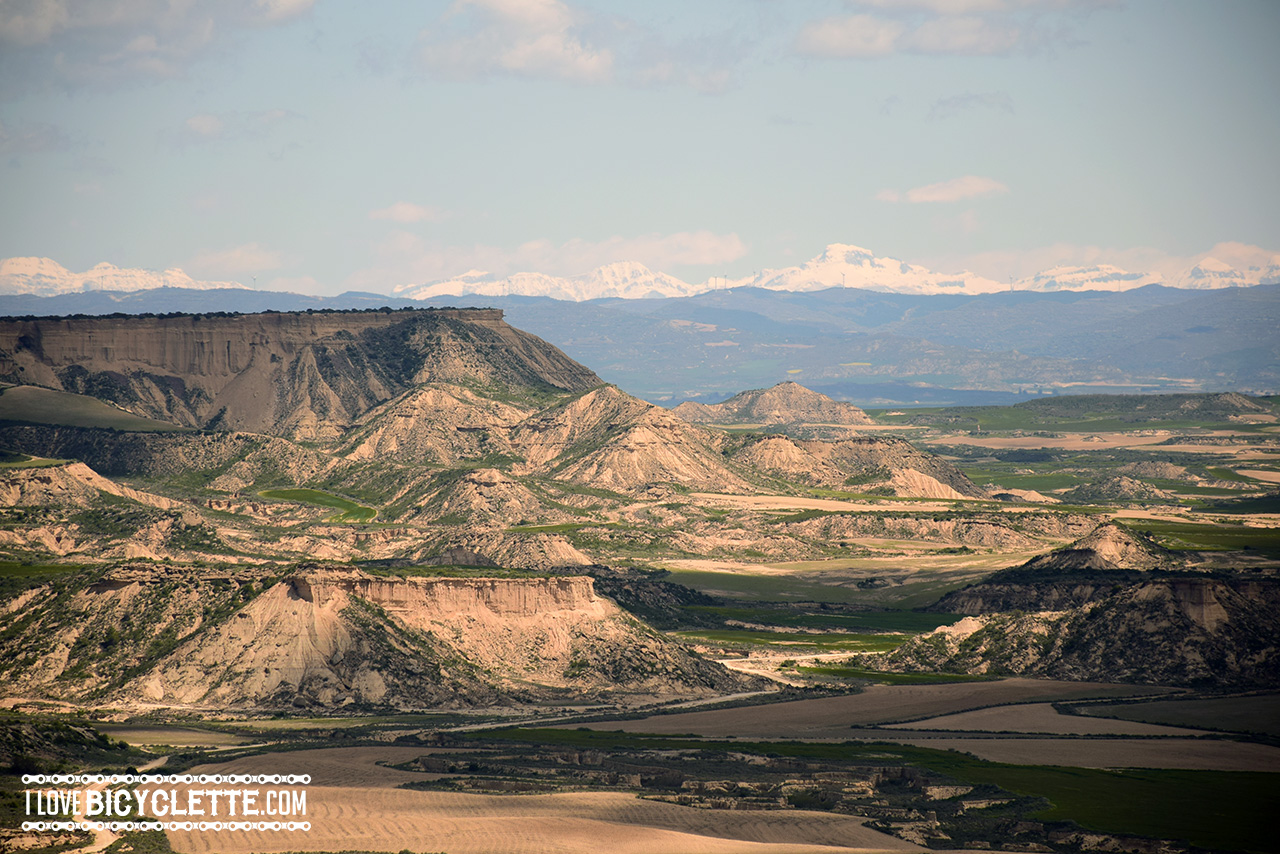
[(1118, 490), (486, 498), (784, 403), (610, 440), (882, 464), (1108, 546), (436, 424), (302, 375), (1173, 631), (1099, 564), (67, 485)]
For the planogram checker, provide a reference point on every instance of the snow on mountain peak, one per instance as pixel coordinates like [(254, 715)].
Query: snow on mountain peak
[(45, 277), (620, 279)]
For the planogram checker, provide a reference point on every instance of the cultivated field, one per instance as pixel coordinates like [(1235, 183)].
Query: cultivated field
[(1039, 718), (832, 718), (1259, 713), (1167, 753), (155, 736), (351, 806)]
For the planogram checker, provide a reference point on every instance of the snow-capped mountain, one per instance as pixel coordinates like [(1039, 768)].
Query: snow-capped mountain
[(44, 277), (1212, 273), (842, 265), (1102, 277), (624, 279)]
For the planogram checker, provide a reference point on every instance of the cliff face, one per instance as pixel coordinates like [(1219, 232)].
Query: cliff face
[(302, 375), (334, 637)]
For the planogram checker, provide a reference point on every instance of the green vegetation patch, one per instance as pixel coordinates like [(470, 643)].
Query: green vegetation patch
[(892, 678), (349, 510), (16, 577), (866, 621), (34, 405), (841, 640), (1196, 537)]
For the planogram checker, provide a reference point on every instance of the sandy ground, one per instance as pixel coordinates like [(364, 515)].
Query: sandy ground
[(831, 718), (351, 805), (799, 502), (1040, 718), (1192, 754), (1067, 442), (1261, 474), (1102, 441)]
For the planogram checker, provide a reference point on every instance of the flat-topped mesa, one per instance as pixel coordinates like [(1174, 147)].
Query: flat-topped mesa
[(416, 600), (304, 375)]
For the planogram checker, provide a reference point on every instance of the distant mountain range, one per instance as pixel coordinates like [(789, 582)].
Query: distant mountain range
[(47, 278), (873, 349), (839, 266)]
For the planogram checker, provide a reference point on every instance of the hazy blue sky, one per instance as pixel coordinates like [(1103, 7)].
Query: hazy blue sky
[(328, 146)]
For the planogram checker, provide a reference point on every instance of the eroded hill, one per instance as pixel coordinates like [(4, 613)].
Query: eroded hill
[(333, 637)]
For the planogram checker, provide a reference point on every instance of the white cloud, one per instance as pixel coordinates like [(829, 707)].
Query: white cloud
[(407, 212), (273, 11), (889, 196), (965, 36), (957, 189), (526, 38), (850, 36), (205, 124), (944, 27), (104, 43), (247, 258), (403, 258)]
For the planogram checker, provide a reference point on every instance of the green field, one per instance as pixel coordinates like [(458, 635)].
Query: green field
[(749, 588), (1083, 413), (866, 621), (35, 405), (22, 461), (349, 511), (1191, 536), (828, 641), (16, 577), (891, 678)]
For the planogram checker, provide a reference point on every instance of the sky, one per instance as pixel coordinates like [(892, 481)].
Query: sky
[(323, 146)]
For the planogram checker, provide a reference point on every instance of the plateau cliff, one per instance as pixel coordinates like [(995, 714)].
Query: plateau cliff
[(302, 375)]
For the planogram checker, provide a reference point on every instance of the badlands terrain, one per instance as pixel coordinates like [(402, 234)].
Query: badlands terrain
[(490, 602)]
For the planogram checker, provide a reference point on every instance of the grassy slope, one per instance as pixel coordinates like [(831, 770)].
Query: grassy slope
[(35, 405), (349, 511)]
